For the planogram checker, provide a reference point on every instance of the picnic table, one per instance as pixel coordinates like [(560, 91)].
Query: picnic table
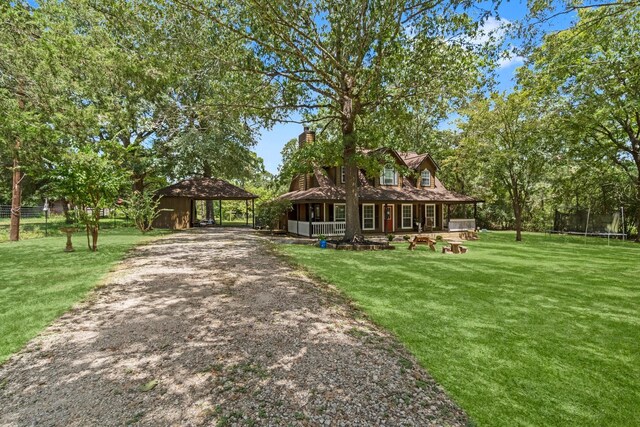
[(422, 240), (469, 235), (456, 247)]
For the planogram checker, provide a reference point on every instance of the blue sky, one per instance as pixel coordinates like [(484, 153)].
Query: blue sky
[(271, 141)]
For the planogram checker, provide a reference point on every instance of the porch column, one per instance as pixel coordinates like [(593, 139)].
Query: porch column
[(298, 219), (384, 218), (309, 215), (475, 213), (220, 209), (246, 212), (448, 214)]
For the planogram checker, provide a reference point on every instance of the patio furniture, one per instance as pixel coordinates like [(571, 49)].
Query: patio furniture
[(455, 247), (422, 240)]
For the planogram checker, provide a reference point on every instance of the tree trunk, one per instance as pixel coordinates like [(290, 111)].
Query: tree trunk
[(16, 193), (353, 230), (637, 220), (95, 227), (94, 238), (138, 182), (517, 207), (16, 188), (518, 215)]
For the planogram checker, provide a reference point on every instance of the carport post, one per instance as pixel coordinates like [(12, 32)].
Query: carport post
[(246, 212), (253, 213), (220, 209)]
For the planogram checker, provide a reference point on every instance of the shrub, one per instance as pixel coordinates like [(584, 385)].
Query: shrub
[(390, 237), (142, 209), (269, 212)]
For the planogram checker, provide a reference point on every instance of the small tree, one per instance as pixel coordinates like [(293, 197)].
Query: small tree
[(91, 182), (142, 208), (270, 212)]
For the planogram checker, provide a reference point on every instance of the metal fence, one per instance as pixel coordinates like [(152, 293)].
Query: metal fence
[(25, 211), (37, 212)]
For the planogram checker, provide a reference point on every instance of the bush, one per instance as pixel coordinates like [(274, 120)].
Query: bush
[(269, 212), (390, 237), (142, 209), (438, 238)]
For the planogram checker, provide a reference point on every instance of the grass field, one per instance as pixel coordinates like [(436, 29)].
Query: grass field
[(542, 332), (40, 281)]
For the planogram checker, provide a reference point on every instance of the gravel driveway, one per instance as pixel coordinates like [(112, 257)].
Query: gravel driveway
[(210, 327)]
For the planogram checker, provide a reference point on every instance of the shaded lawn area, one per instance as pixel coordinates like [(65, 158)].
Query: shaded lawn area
[(542, 332), (40, 281)]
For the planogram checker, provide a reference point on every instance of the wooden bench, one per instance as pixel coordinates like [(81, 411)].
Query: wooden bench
[(422, 240)]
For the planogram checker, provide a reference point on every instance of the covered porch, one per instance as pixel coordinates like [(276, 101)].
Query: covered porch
[(328, 219)]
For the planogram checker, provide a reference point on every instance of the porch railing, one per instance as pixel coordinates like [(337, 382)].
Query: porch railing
[(329, 228), (462, 224)]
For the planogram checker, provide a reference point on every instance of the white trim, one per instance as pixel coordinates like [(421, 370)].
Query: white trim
[(374, 216), (434, 214), (393, 218), (422, 184), (395, 175), (402, 216), (334, 211)]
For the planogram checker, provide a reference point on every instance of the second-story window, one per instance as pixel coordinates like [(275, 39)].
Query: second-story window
[(389, 176), (426, 178), (343, 174)]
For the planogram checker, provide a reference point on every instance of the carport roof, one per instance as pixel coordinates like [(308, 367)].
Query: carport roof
[(205, 189)]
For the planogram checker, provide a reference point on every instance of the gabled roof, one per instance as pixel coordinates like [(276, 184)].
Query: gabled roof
[(205, 189), (413, 160), (410, 159)]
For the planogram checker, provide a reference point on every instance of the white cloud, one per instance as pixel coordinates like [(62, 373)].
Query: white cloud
[(510, 61)]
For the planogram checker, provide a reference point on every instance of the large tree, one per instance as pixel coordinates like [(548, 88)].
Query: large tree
[(505, 134), (589, 75), (345, 61)]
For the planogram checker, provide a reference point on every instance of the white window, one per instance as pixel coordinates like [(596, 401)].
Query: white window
[(426, 178), (430, 215), (343, 175), (339, 212), (368, 217), (407, 216), (389, 176)]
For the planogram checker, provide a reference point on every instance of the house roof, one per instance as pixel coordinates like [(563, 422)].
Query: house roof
[(413, 160), (205, 189), (367, 193)]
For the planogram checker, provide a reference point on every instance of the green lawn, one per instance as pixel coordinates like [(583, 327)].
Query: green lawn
[(543, 332), (40, 281)]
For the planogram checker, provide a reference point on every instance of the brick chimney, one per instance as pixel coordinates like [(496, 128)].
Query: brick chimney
[(306, 137)]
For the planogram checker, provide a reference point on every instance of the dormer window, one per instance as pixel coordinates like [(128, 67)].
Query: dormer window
[(426, 178), (389, 176)]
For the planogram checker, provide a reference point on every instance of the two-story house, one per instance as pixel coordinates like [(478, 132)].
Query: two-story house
[(392, 202)]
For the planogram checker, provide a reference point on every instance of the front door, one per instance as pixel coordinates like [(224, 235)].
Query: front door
[(388, 218)]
